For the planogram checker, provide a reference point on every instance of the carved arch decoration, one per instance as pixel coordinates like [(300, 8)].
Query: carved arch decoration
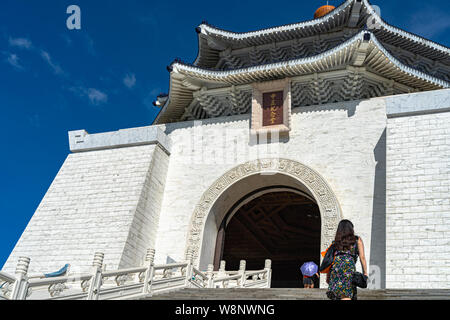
[(330, 210)]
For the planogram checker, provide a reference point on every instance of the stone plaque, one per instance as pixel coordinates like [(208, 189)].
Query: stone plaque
[(272, 108)]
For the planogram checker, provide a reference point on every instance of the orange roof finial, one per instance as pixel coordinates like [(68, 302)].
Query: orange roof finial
[(323, 10)]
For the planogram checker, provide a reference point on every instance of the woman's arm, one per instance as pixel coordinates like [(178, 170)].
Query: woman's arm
[(362, 257)]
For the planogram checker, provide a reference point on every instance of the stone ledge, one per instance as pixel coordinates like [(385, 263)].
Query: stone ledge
[(418, 103), (81, 140), (296, 294)]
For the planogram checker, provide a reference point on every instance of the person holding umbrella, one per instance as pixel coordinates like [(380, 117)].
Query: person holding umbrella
[(309, 270)]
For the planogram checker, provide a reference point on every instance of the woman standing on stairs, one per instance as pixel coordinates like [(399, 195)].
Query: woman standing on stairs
[(347, 248)]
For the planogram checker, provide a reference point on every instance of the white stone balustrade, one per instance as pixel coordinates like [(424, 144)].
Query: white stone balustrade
[(129, 283)]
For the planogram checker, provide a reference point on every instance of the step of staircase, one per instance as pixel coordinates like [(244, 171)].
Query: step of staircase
[(296, 294)]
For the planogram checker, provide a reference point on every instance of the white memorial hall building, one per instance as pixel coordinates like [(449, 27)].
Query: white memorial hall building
[(261, 146)]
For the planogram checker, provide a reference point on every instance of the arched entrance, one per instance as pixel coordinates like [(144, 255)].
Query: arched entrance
[(244, 179), (281, 224)]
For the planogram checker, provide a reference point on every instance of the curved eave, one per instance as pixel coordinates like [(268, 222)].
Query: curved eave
[(337, 17), (313, 64), (386, 32), (329, 21), (378, 59), (179, 98), (206, 56), (280, 69)]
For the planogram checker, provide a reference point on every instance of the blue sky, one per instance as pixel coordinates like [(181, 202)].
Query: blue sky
[(105, 76)]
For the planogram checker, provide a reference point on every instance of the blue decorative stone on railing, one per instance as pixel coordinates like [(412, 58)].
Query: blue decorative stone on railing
[(59, 273)]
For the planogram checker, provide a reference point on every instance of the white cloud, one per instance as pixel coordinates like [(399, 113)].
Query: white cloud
[(22, 43), (13, 60), (55, 67), (95, 96), (130, 80)]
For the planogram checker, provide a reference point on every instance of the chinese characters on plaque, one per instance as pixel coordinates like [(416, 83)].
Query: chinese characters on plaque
[(272, 108)]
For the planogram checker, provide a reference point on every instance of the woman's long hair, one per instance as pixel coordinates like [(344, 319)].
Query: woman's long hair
[(345, 236)]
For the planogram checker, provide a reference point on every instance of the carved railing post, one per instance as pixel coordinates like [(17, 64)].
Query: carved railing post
[(96, 280), (210, 274), (242, 266), (222, 271), (189, 267), (149, 263), (20, 287), (268, 268)]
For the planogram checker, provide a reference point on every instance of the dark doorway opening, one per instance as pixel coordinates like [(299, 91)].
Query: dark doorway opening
[(283, 226)]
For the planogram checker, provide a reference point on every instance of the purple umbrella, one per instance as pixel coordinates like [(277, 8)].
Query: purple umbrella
[(309, 269)]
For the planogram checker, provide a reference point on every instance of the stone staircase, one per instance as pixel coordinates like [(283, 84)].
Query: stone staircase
[(297, 294)]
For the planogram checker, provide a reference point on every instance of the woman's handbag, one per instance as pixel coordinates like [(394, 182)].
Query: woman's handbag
[(328, 259), (360, 280)]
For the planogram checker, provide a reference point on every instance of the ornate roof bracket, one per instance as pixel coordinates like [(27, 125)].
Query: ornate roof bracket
[(351, 83), (240, 100), (319, 45), (277, 53), (211, 105), (194, 111), (256, 56), (345, 34), (232, 61), (235, 100), (299, 49), (321, 89)]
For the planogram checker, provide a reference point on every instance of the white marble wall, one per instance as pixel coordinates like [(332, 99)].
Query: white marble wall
[(418, 199), (336, 140), (107, 201)]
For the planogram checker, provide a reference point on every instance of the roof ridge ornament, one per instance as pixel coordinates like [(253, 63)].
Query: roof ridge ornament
[(355, 14), (323, 11)]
